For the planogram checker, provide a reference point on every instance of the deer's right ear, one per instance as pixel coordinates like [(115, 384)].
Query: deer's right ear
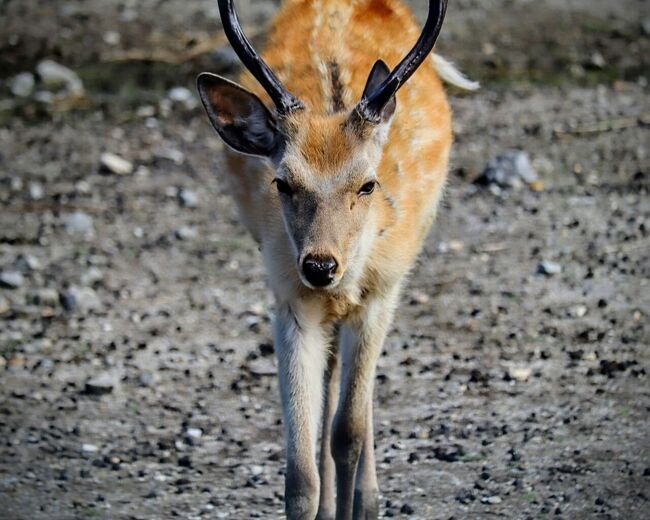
[(239, 116)]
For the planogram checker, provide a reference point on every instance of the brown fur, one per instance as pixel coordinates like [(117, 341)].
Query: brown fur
[(308, 199), (414, 165)]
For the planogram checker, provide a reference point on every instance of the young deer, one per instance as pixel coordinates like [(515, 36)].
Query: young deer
[(340, 203)]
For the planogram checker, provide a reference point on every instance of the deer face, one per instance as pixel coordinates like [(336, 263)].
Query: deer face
[(325, 173), (327, 186), (325, 165)]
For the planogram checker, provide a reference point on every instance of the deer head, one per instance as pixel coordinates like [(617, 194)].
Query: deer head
[(325, 164)]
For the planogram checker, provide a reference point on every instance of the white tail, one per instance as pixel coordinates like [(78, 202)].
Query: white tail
[(450, 74)]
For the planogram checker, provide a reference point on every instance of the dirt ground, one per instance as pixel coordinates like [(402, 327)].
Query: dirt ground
[(137, 378)]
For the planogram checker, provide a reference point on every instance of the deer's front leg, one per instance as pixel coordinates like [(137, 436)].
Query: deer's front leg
[(327, 505), (301, 347), (361, 343), (366, 491)]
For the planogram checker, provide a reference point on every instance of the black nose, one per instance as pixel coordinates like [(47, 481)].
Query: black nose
[(319, 270)]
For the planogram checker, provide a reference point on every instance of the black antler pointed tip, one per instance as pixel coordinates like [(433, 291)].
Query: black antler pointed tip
[(375, 102), (284, 101)]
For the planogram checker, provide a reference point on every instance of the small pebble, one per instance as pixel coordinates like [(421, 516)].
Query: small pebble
[(16, 183), (549, 268), (186, 233), (171, 154), (179, 94), (188, 198), (419, 297), (456, 246), (146, 378), (78, 223), (194, 433), (48, 296), (27, 263), (83, 299), (54, 75), (100, 385), (510, 169), (520, 373), (36, 191), (112, 38), (146, 111), (11, 279), (92, 276), (493, 500), (578, 311), (597, 60), (183, 96), (22, 85), (115, 164)]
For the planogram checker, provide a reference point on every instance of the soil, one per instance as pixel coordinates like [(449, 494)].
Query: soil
[(137, 378)]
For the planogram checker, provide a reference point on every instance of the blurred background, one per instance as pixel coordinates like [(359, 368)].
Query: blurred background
[(137, 377)]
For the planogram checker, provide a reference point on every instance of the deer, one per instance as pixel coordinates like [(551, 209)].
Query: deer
[(338, 142)]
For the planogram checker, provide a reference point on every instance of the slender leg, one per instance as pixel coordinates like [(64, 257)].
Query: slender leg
[(327, 504), (366, 492), (301, 346), (361, 343)]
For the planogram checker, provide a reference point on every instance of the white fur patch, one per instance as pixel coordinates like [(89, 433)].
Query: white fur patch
[(301, 346), (450, 74)]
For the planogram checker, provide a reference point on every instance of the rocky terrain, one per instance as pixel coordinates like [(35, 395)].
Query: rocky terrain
[(137, 378)]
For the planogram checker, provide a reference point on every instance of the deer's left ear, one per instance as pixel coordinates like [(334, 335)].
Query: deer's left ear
[(379, 73), (239, 116)]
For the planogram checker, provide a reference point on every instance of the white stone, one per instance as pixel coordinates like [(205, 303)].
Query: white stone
[(92, 276), (11, 279), (183, 96), (578, 311), (55, 75), (493, 500), (85, 299), (186, 233), (179, 94), (112, 37), (520, 373), (194, 433), (36, 191), (22, 85), (28, 262), (48, 297), (549, 268), (116, 164), (188, 198), (146, 111), (78, 223)]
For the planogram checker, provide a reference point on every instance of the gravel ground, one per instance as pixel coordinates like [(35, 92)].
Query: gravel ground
[(137, 378)]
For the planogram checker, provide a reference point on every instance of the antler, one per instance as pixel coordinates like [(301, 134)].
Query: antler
[(371, 105), (285, 102)]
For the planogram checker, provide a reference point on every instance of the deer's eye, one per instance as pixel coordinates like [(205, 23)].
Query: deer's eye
[(367, 188), (283, 187)]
